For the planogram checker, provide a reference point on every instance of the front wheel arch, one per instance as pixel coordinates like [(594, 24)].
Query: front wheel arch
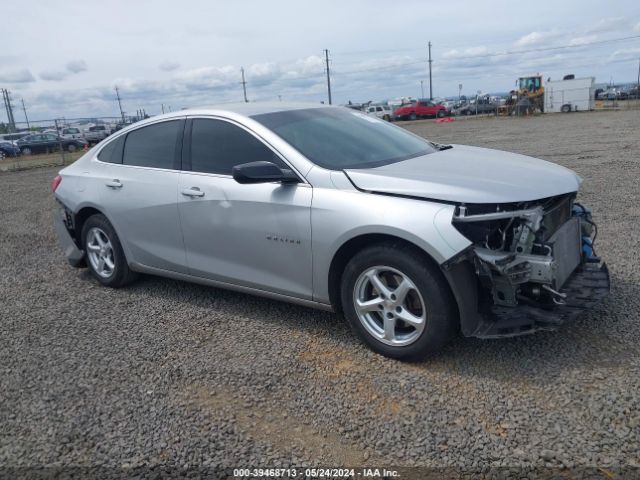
[(348, 249)]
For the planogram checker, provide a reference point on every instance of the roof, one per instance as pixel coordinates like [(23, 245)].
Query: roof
[(245, 109)]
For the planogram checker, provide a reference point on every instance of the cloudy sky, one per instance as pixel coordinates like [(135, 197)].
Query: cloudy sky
[(64, 58)]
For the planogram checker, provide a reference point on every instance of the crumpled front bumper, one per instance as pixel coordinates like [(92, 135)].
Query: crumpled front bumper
[(587, 286), (74, 255)]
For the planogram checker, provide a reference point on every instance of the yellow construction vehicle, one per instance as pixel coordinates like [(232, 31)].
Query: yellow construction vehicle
[(528, 97)]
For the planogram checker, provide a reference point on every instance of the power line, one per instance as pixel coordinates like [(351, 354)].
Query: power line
[(488, 55)]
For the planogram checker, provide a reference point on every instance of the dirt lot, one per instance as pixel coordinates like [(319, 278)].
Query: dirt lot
[(168, 374)]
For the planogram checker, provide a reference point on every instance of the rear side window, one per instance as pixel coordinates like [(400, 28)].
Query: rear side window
[(112, 151), (152, 146), (217, 146)]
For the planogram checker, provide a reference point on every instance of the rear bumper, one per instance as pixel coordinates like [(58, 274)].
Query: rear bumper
[(74, 255), (587, 286)]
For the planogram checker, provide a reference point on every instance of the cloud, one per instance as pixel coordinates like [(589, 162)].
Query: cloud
[(169, 66), (17, 76), (536, 39), (637, 27), (584, 40), (53, 75), (467, 52), (77, 66), (609, 24)]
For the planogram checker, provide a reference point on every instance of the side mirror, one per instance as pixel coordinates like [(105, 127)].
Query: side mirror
[(262, 172)]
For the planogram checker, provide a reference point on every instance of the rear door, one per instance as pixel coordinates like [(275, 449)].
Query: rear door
[(251, 235), (139, 175)]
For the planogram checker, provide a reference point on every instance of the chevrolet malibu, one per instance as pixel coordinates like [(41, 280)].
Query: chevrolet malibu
[(412, 241)]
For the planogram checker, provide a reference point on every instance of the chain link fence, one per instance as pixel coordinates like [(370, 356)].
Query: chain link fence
[(52, 142)]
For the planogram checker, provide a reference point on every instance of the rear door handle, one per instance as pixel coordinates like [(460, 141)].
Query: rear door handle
[(192, 192), (115, 183)]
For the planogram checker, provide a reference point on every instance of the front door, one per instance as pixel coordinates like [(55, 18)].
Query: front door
[(255, 235)]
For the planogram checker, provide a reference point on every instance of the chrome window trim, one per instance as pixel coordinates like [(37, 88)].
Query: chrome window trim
[(113, 138)]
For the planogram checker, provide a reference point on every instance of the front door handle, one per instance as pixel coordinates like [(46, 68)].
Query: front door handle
[(192, 192), (115, 183)]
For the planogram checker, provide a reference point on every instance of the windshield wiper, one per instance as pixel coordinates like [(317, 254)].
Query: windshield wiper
[(441, 146)]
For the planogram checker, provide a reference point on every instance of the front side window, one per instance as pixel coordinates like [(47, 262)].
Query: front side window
[(337, 138), (153, 145), (218, 146)]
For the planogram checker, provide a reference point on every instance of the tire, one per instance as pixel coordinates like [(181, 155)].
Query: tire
[(413, 116), (71, 148), (428, 304), (441, 113), (467, 112), (565, 108), (98, 232), (26, 151), (386, 118)]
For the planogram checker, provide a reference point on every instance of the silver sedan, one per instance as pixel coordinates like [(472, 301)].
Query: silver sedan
[(322, 206)]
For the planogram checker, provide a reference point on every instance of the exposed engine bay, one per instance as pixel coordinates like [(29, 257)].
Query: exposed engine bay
[(525, 253)]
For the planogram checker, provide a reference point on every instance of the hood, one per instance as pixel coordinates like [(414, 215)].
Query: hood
[(469, 175)]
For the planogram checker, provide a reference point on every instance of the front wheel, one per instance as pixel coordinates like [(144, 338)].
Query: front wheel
[(413, 116), (441, 113), (71, 148), (26, 151), (397, 302), (105, 256)]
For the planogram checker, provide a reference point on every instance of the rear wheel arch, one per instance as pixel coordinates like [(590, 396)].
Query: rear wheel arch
[(352, 246), (78, 221)]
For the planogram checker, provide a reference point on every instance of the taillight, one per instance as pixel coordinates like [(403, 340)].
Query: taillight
[(56, 183)]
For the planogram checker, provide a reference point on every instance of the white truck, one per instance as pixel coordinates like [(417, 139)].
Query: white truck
[(569, 94)]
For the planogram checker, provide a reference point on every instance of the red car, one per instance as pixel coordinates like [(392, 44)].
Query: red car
[(420, 109)]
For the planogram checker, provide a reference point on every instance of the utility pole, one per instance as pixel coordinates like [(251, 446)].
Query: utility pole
[(326, 58), (244, 85), (430, 82), (638, 84), (163, 108), (422, 88), (7, 105), (119, 104), (25, 114)]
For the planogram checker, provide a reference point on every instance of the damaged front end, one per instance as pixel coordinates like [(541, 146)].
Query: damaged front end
[(534, 265)]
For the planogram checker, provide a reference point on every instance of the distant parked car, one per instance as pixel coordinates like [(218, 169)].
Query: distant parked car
[(8, 149), (72, 133), (381, 111), (13, 137), (481, 105), (47, 142), (97, 133), (420, 109)]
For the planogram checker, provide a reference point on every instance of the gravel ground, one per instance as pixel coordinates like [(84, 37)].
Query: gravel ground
[(170, 374)]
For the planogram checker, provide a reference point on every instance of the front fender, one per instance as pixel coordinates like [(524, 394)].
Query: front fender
[(339, 216)]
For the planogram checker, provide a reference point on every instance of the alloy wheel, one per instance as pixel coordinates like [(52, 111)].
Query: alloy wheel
[(389, 306), (100, 252)]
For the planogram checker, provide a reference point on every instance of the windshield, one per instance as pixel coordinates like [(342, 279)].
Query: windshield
[(337, 138)]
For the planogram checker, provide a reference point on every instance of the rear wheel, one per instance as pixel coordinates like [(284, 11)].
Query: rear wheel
[(413, 116), (105, 257), (565, 108), (26, 151), (71, 148), (397, 302)]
